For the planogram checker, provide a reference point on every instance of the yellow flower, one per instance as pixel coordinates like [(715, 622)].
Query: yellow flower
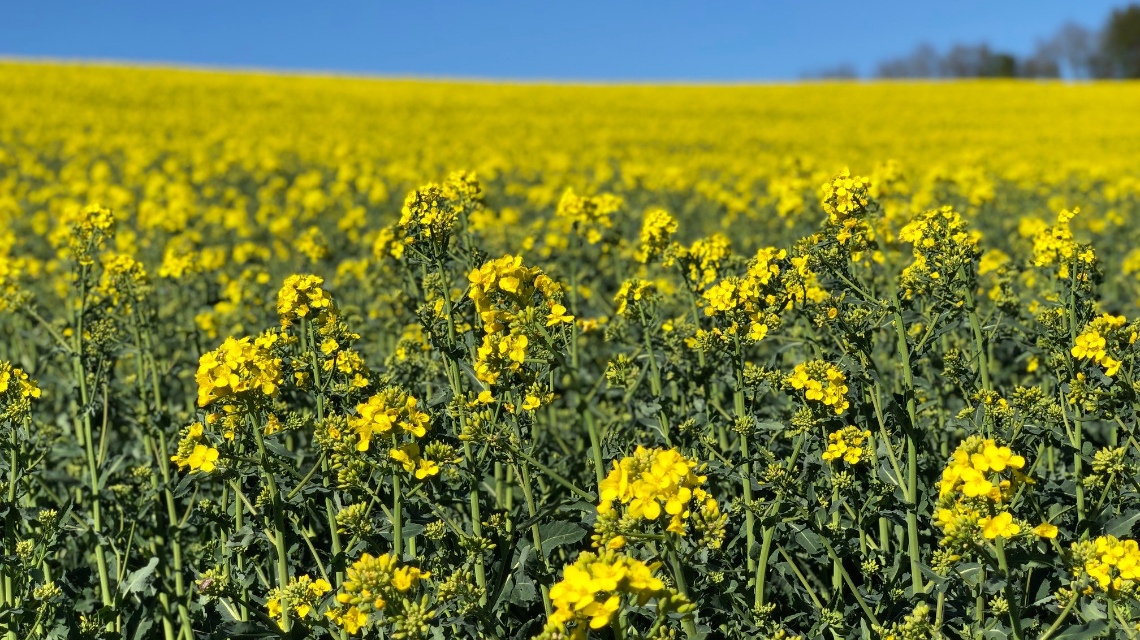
[(994, 458), (203, 458), (558, 315), (999, 526), (1045, 530), (408, 456), (351, 619)]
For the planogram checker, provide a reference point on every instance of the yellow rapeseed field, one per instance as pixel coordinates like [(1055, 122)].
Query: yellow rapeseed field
[(331, 357)]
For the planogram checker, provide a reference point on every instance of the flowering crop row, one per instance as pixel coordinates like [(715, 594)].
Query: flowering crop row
[(261, 380)]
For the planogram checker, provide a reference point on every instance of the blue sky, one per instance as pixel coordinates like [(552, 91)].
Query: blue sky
[(576, 40)]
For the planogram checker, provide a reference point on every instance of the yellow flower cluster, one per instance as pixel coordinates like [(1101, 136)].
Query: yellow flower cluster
[(630, 294), (974, 492), (847, 445), (383, 413), (652, 482), (506, 292), (17, 391), (1112, 563), (122, 276), (194, 451), (301, 297), (502, 288), (592, 590), (700, 262), (301, 596), (11, 272), (971, 462), (1055, 246), (428, 213), (369, 585), (657, 229), (821, 382), (845, 197), (943, 246), (590, 215), (88, 228), (1098, 336), (756, 296), (239, 368)]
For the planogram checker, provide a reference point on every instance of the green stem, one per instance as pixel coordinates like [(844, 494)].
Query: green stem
[(746, 482), (397, 518), (979, 340), (687, 623), (278, 526), (535, 529), (1014, 615), (913, 549)]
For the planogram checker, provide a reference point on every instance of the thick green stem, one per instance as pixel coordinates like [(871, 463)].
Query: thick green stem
[(13, 479), (746, 484), (397, 518), (278, 527), (979, 340), (687, 623), (595, 447), (535, 530), (913, 549), (1011, 600)]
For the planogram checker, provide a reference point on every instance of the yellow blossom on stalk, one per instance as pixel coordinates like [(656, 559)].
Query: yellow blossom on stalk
[(11, 272), (195, 452), (239, 367), (1111, 563), (499, 354), (652, 482), (1093, 342), (999, 526), (300, 596), (700, 262), (558, 316), (630, 294), (409, 457), (593, 590), (388, 410), (589, 214), (845, 199), (1055, 246), (657, 229), (429, 214), (369, 585), (721, 296), (1045, 530), (203, 458), (503, 288), (88, 228), (301, 297), (845, 195), (821, 382), (974, 492), (122, 274), (944, 250), (17, 391), (847, 445)]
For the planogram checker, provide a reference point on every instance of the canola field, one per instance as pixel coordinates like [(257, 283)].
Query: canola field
[(319, 357)]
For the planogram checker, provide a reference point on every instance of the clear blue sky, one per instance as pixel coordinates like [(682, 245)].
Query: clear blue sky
[(571, 40)]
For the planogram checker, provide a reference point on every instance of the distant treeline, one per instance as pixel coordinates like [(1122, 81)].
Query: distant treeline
[(1074, 51)]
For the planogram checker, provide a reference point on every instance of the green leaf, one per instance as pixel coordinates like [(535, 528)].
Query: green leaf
[(1082, 631), (557, 534), (139, 580), (1121, 526)]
